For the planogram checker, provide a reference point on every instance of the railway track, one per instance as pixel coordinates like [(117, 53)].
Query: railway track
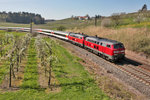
[(138, 70)]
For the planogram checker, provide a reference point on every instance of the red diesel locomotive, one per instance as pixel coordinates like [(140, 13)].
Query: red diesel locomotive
[(108, 49), (77, 38)]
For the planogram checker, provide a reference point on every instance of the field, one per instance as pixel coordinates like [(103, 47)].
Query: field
[(66, 23), (69, 79)]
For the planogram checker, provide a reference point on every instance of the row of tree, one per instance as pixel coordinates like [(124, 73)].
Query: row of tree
[(16, 55), (4, 40), (47, 57), (21, 17)]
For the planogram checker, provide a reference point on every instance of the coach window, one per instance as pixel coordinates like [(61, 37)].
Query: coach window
[(97, 47), (104, 44), (101, 44)]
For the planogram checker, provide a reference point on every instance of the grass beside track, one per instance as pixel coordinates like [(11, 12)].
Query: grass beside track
[(75, 82)]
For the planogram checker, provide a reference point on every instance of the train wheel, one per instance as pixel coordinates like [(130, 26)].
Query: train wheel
[(100, 55)]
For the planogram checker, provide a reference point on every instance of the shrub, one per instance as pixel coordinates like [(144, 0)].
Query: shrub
[(139, 19), (9, 30), (106, 22), (61, 28)]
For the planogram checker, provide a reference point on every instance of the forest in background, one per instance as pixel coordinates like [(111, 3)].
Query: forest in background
[(21, 17)]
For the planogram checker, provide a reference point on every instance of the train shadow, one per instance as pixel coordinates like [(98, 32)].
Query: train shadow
[(127, 61)]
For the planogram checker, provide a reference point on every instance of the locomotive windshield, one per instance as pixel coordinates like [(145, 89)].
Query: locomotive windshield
[(117, 46)]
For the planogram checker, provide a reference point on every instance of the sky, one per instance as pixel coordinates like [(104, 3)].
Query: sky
[(60, 9)]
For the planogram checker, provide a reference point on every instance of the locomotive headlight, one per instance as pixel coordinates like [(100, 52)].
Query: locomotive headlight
[(123, 51)]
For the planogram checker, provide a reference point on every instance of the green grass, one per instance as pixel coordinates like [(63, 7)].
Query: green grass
[(6, 24), (4, 68), (75, 82), (70, 24), (2, 33), (31, 74), (67, 23)]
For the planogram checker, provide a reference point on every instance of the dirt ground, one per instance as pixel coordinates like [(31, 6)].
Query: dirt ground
[(16, 81), (43, 80)]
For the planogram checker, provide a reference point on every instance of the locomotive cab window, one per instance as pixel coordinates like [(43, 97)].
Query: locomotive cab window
[(121, 45), (117, 46)]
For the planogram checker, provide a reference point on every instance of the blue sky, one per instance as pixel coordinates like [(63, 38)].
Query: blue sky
[(59, 9)]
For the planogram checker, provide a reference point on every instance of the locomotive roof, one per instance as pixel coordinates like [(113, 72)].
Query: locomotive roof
[(98, 39), (79, 34)]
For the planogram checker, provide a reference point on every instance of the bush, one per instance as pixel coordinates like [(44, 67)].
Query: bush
[(61, 28), (139, 19), (9, 30), (106, 23), (34, 34)]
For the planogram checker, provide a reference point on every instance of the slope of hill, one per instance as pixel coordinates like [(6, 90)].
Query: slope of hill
[(132, 29)]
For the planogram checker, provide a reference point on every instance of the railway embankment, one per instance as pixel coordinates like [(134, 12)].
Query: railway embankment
[(120, 71)]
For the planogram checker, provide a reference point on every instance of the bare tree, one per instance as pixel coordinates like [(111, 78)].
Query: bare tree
[(52, 60), (106, 22), (139, 18), (116, 18), (40, 46), (15, 56), (1, 51), (46, 55), (10, 68)]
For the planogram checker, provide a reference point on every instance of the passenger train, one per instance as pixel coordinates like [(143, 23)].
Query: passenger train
[(109, 49)]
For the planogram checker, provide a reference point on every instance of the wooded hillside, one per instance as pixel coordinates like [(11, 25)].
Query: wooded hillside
[(21, 17)]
